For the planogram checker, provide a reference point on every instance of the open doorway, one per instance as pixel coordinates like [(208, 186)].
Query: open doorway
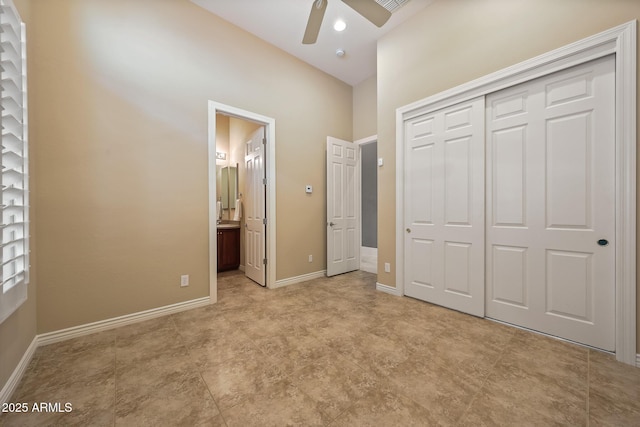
[(369, 204), (227, 126)]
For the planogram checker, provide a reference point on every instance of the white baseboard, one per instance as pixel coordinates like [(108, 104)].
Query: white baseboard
[(299, 279), (388, 289), (369, 259), (15, 378), (638, 360), (90, 328), (103, 325)]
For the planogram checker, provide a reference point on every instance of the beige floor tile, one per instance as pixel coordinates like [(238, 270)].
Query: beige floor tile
[(473, 360), (99, 341), (230, 301), (559, 363), (331, 351), (154, 373), (445, 394), (333, 383), (140, 346), (91, 403), (266, 322), (221, 348), (58, 368), (159, 324), (200, 318), (208, 334), (614, 392), (235, 380), (79, 372), (163, 390), (294, 353), (338, 327), (372, 352), (416, 337), (491, 410), (511, 392), (182, 400), (383, 407), (281, 404)]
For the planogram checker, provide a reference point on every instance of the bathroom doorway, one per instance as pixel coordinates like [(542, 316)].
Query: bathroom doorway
[(232, 141)]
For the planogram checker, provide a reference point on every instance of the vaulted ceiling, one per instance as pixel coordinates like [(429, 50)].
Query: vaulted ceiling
[(282, 23)]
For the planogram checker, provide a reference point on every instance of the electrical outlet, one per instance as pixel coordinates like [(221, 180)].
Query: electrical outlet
[(387, 267), (184, 280), (310, 258)]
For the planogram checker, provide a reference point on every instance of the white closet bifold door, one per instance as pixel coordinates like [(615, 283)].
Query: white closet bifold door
[(551, 204), (444, 207)]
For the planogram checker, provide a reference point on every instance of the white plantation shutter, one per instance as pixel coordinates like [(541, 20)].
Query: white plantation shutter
[(14, 190)]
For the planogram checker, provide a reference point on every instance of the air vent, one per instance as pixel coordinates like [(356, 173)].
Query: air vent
[(392, 5)]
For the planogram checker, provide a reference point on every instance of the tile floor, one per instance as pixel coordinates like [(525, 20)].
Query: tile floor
[(329, 352)]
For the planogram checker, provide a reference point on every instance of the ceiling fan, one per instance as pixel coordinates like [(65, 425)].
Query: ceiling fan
[(370, 9)]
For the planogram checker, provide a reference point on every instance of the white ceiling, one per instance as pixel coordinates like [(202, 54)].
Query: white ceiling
[(282, 23)]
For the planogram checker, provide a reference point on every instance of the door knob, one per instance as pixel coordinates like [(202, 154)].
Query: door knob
[(603, 242), (408, 230), (331, 224)]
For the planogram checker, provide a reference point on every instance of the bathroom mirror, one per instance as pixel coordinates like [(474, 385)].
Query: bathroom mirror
[(229, 186)]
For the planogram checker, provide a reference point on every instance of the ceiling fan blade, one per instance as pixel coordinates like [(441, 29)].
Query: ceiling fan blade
[(371, 10), (315, 20)]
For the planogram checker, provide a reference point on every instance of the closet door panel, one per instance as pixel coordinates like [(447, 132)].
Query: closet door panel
[(444, 207), (550, 201)]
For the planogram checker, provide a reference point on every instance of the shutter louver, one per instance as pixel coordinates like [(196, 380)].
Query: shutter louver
[(14, 190)]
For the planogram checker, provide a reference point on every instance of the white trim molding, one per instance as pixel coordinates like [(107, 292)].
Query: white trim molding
[(299, 279), (388, 289), (638, 360), (367, 140), (115, 322), (87, 329), (15, 378), (619, 41)]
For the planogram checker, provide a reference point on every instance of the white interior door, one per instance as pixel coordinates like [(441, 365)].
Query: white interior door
[(255, 212), (444, 207), (343, 227), (550, 199)]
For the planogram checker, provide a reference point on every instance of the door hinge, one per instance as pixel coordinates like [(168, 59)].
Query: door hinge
[(264, 221), (264, 181), (264, 261), (264, 141)]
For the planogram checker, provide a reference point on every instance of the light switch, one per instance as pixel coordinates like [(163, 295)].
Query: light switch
[(308, 189), (380, 161)]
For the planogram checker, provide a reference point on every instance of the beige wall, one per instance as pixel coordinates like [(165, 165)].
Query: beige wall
[(18, 331), (365, 108), (121, 115), (455, 41)]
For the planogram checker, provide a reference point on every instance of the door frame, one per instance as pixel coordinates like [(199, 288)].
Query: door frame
[(270, 170), (621, 41)]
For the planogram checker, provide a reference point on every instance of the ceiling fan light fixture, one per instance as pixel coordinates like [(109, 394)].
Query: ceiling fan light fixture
[(339, 25), (369, 9)]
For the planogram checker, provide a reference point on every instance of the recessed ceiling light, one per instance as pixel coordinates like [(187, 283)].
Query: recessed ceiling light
[(340, 25), (340, 53)]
